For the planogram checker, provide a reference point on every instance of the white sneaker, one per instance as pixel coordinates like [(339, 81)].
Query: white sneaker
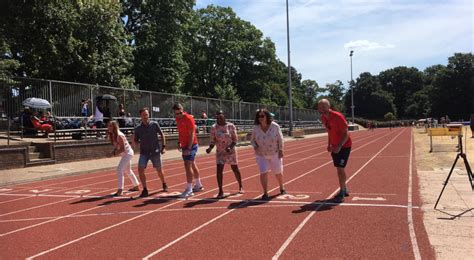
[(186, 193), (197, 188)]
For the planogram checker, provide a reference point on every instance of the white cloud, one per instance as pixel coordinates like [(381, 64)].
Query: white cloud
[(365, 45)]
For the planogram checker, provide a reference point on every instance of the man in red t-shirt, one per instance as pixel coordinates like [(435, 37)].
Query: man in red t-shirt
[(189, 145), (339, 143)]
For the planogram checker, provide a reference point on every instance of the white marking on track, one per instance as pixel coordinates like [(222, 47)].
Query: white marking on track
[(411, 227), (292, 197), (370, 199)]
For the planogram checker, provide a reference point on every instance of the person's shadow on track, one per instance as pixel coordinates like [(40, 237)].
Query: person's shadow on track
[(318, 205), (93, 199), (250, 203), (110, 202), (156, 200), (206, 201)]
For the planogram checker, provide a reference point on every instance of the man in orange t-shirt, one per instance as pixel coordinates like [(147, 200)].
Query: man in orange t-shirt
[(189, 145), (339, 143)]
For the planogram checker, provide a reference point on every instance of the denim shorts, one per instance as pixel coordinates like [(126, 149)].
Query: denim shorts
[(192, 155), (155, 159)]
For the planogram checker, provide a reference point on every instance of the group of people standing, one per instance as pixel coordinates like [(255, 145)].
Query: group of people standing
[(267, 142)]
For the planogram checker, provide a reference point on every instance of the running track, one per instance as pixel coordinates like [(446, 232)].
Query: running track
[(72, 217)]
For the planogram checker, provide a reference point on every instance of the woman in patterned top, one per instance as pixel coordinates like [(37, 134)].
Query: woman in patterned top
[(224, 136), (267, 141)]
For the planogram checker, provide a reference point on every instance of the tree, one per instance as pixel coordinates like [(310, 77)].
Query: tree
[(75, 41), (311, 92), (158, 29), (402, 82), (453, 88), (389, 116), (219, 46), (7, 64), (370, 100)]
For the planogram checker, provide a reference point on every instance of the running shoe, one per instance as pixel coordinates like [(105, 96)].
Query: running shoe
[(186, 193), (265, 197), (339, 198), (346, 192), (144, 193), (165, 187), (134, 189), (197, 188), (282, 192)]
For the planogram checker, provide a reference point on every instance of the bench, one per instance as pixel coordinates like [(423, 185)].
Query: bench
[(298, 133), (452, 130)]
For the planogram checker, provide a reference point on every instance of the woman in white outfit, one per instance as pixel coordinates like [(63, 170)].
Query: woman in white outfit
[(267, 141), (122, 148)]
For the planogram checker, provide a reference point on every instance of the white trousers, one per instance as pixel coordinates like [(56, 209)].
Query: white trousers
[(124, 166)]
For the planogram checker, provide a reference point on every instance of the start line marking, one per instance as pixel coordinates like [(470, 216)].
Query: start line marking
[(369, 199)]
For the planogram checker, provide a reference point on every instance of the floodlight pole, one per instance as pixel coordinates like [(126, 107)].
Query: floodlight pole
[(290, 99), (352, 88)]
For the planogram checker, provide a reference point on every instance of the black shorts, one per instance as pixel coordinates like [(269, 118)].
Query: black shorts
[(340, 159)]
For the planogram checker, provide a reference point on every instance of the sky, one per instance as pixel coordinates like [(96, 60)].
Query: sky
[(383, 34)]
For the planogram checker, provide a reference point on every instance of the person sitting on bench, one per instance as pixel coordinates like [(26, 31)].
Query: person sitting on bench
[(40, 125)]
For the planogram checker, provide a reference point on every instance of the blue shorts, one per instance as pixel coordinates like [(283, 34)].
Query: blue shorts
[(192, 155), (155, 159)]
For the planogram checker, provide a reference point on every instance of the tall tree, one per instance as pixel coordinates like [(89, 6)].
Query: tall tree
[(311, 92), (158, 28), (402, 82), (453, 88), (370, 100), (225, 51), (75, 41)]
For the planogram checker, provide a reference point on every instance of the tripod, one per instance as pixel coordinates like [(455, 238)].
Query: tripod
[(466, 163)]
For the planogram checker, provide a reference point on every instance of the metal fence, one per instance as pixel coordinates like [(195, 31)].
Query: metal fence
[(65, 98)]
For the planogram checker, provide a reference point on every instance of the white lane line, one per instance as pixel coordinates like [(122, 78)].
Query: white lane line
[(232, 210), (303, 223), (411, 227), (286, 204)]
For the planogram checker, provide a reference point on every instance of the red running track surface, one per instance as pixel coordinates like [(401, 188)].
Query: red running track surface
[(73, 217)]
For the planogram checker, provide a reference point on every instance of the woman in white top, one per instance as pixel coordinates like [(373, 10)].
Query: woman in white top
[(267, 141), (122, 148)]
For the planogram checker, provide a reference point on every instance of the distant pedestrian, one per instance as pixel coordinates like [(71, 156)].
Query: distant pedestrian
[(472, 125)]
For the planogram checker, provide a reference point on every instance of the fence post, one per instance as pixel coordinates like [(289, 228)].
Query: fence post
[(191, 102), (207, 106), (151, 104), (8, 118), (240, 110), (51, 97)]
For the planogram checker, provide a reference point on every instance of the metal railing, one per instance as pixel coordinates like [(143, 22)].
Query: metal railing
[(65, 99)]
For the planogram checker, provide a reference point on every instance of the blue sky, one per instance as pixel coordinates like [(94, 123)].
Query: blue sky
[(384, 34)]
